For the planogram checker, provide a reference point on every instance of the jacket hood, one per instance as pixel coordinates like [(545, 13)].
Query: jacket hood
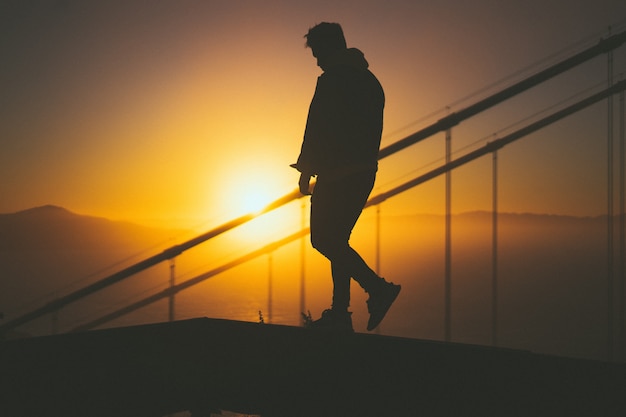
[(351, 57)]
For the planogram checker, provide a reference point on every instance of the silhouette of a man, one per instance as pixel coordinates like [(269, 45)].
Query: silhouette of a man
[(340, 147)]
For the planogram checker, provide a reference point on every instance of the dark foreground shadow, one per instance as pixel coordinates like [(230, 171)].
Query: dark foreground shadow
[(270, 370)]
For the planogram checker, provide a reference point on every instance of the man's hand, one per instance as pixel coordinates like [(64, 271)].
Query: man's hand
[(304, 183)]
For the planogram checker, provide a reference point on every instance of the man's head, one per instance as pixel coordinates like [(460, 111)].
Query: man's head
[(324, 40)]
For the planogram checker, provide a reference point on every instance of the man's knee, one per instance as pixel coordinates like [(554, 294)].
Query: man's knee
[(327, 246)]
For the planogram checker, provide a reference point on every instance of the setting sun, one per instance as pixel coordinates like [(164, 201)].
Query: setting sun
[(248, 192), (254, 198), (251, 191)]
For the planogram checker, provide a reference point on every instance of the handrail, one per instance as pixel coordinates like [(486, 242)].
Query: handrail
[(488, 148), (603, 46), (191, 282), (499, 143)]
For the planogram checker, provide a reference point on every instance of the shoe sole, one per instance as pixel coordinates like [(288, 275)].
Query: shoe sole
[(371, 326)]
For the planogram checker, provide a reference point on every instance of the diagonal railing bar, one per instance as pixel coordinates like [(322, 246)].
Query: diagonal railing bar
[(191, 282), (376, 200), (604, 46), (447, 122), (499, 143)]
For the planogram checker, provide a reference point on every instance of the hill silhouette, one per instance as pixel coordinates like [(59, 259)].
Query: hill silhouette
[(48, 251), (56, 228)]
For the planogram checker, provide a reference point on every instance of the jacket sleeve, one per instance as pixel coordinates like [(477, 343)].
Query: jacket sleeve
[(311, 151)]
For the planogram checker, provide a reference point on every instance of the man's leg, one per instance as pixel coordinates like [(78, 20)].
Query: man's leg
[(341, 286), (335, 208), (382, 294)]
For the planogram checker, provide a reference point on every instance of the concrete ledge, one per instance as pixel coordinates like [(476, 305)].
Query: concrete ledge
[(272, 370)]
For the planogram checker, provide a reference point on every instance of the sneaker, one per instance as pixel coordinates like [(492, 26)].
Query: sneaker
[(379, 302), (332, 319)]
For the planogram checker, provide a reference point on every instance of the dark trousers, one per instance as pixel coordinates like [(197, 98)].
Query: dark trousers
[(336, 205)]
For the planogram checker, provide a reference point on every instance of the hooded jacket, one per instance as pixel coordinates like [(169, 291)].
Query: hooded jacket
[(345, 119)]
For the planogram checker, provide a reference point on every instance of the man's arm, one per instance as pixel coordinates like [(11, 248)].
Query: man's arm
[(305, 183)]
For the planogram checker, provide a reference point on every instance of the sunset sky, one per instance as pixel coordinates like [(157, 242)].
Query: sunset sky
[(171, 113)]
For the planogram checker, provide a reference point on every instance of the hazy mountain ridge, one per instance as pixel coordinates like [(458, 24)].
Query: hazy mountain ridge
[(56, 228), (481, 215), (48, 251), (551, 269)]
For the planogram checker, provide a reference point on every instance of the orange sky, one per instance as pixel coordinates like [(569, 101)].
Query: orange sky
[(170, 114)]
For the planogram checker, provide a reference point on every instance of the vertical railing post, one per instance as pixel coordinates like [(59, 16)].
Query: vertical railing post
[(171, 298), (302, 263), (270, 285), (622, 246), (378, 272), (448, 248), (610, 206), (378, 267), (494, 256)]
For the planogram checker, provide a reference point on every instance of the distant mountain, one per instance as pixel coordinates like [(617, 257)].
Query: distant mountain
[(55, 228), (47, 252)]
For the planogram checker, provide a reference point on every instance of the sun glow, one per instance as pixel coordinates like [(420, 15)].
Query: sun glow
[(250, 194), (255, 200)]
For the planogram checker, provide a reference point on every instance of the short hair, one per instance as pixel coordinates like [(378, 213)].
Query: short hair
[(325, 37)]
